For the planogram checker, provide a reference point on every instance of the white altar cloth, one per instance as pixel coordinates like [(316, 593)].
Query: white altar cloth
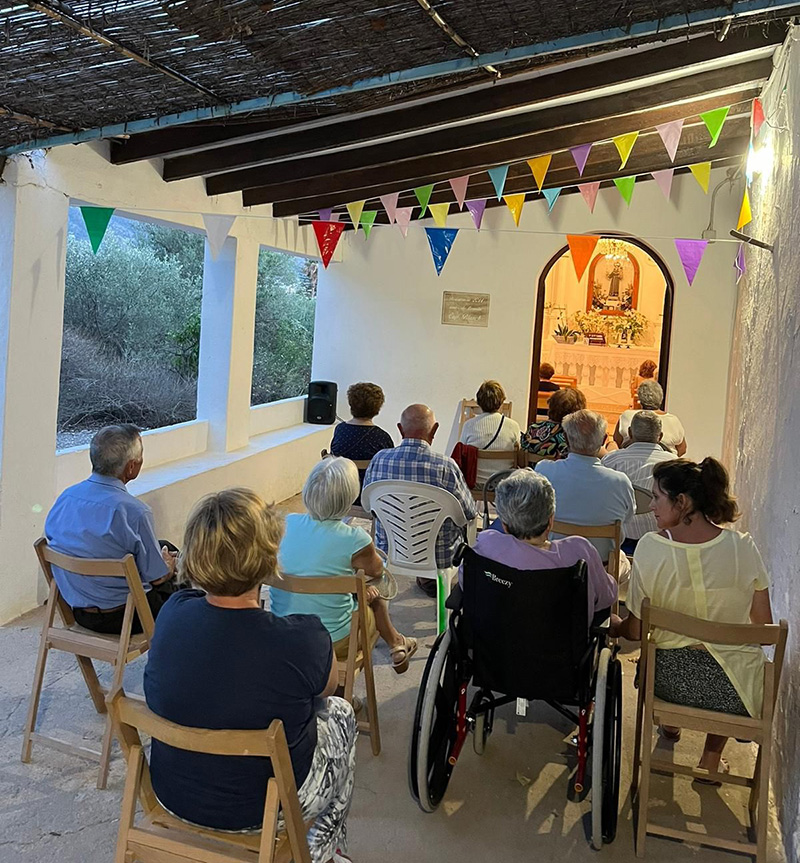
[(599, 365)]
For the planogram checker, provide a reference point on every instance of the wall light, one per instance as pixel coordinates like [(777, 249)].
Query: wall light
[(760, 159)]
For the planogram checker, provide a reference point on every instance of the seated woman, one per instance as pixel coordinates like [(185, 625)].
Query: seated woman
[(651, 397), (546, 371), (491, 430), (319, 543), (218, 660), (698, 568), (526, 507), (546, 437), (647, 372)]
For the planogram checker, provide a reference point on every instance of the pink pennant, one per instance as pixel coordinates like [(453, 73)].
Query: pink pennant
[(402, 218), (580, 154), (390, 205), (664, 180), (476, 208), (671, 136), (691, 253), (459, 187), (589, 193), (740, 264)]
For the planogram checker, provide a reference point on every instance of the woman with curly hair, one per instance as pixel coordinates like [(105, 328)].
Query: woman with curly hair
[(546, 437)]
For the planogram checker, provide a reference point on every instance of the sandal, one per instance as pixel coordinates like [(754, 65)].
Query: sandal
[(402, 653), (723, 768)]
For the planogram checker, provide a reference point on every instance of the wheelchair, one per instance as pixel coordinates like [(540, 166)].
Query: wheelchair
[(489, 644)]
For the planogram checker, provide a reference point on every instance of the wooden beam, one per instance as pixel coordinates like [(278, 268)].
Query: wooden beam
[(506, 139), (246, 148)]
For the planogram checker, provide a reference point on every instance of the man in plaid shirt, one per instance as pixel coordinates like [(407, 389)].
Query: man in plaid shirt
[(415, 461)]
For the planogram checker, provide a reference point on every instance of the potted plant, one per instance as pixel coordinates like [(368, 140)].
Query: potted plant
[(565, 335)]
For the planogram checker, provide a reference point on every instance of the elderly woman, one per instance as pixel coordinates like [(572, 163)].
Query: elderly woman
[(526, 506), (546, 437), (695, 567), (218, 660), (359, 438), (491, 430), (647, 372), (651, 397), (318, 543)]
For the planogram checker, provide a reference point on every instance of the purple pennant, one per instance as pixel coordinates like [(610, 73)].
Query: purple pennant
[(441, 242), (691, 253), (325, 215), (476, 208), (580, 154), (740, 263)]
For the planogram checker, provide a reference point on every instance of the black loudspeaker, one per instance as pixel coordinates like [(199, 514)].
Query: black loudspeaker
[(321, 403)]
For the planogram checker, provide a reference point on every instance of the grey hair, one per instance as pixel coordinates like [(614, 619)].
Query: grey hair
[(525, 502), (646, 427), (585, 431), (331, 488), (113, 447), (650, 395)]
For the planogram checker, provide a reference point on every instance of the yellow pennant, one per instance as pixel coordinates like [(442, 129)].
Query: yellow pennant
[(539, 167), (624, 145), (354, 210), (439, 213), (745, 214), (515, 204), (702, 173)]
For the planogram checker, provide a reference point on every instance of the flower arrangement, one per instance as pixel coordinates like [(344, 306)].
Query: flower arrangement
[(592, 322), (630, 326)]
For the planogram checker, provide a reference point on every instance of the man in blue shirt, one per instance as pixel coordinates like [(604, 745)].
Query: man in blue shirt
[(99, 518)]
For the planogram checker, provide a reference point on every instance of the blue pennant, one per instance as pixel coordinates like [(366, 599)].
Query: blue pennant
[(441, 242), (498, 177), (551, 195)]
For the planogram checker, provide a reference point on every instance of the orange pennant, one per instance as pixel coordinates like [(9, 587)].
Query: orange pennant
[(581, 248)]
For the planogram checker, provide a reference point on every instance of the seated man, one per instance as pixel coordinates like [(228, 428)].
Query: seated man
[(414, 461), (586, 492), (637, 460), (546, 371), (99, 518)]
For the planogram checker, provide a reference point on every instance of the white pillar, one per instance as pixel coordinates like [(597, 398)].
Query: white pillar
[(33, 241), (227, 329)]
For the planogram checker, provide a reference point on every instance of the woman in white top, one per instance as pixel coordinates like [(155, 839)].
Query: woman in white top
[(697, 568), (651, 397), (491, 430)]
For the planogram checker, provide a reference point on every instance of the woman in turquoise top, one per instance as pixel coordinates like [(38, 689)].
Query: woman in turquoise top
[(319, 543)]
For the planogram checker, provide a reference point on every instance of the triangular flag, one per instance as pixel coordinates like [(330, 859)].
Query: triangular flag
[(625, 186), (476, 209), (582, 248), (691, 253), (539, 167), (217, 230), (328, 235), (714, 121), (367, 220), (403, 218), (580, 154), (745, 213), (439, 213), (498, 177), (552, 196), (325, 215), (624, 145), (355, 209), (96, 220), (423, 194), (664, 180), (671, 136), (589, 193), (756, 117), (702, 173), (390, 204), (515, 204), (739, 263), (459, 187), (441, 242)]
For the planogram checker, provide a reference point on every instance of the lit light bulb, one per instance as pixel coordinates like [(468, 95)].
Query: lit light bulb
[(760, 159)]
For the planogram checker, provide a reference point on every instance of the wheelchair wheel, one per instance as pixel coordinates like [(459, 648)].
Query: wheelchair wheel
[(481, 729), (606, 749)]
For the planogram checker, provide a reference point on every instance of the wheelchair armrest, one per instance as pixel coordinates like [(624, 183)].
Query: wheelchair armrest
[(456, 598)]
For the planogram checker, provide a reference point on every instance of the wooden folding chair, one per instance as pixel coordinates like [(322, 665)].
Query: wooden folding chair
[(359, 651), (529, 459), (86, 645), (469, 408), (506, 455), (600, 531), (653, 711), (159, 837)]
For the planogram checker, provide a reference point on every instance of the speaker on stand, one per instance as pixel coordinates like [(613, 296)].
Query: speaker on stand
[(321, 403)]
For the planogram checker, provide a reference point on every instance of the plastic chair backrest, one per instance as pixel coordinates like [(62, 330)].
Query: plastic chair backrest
[(643, 499)]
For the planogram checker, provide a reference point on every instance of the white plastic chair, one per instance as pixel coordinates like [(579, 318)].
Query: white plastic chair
[(412, 514)]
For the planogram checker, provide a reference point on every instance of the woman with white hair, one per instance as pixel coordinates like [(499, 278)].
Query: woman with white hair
[(317, 544), (651, 397)]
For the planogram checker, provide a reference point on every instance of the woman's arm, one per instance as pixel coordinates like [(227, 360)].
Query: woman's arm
[(761, 610), (630, 628), (369, 560), (333, 678)]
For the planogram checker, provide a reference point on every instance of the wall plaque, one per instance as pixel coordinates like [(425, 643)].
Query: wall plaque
[(465, 310)]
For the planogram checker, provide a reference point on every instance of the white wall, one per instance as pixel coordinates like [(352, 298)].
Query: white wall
[(379, 312)]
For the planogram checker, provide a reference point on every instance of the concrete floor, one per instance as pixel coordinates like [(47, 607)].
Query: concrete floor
[(509, 805)]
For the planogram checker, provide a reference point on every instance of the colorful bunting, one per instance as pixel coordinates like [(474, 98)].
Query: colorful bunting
[(756, 117), (714, 121), (96, 220), (439, 213), (691, 253), (325, 215), (423, 194), (624, 145), (625, 186), (739, 263), (441, 242), (389, 203), (664, 180), (459, 187), (581, 248), (367, 220), (539, 167), (515, 204), (402, 219), (476, 209), (671, 136), (745, 213), (355, 209), (589, 193), (580, 154), (552, 197), (498, 177), (217, 230), (702, 173), (328, 235)]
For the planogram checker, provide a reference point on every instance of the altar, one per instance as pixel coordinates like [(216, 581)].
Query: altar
[(606, 366)]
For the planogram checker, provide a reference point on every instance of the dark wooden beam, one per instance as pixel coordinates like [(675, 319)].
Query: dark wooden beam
[(511, 135)]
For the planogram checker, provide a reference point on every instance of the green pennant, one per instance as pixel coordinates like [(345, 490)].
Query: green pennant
[(625, 186), (423, 194), (714, 121), (96, 220), (367, 221)]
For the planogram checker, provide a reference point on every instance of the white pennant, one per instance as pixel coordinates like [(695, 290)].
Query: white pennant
[(217, 230)]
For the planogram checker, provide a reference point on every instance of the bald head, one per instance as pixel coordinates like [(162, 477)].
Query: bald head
[(418, 421)]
